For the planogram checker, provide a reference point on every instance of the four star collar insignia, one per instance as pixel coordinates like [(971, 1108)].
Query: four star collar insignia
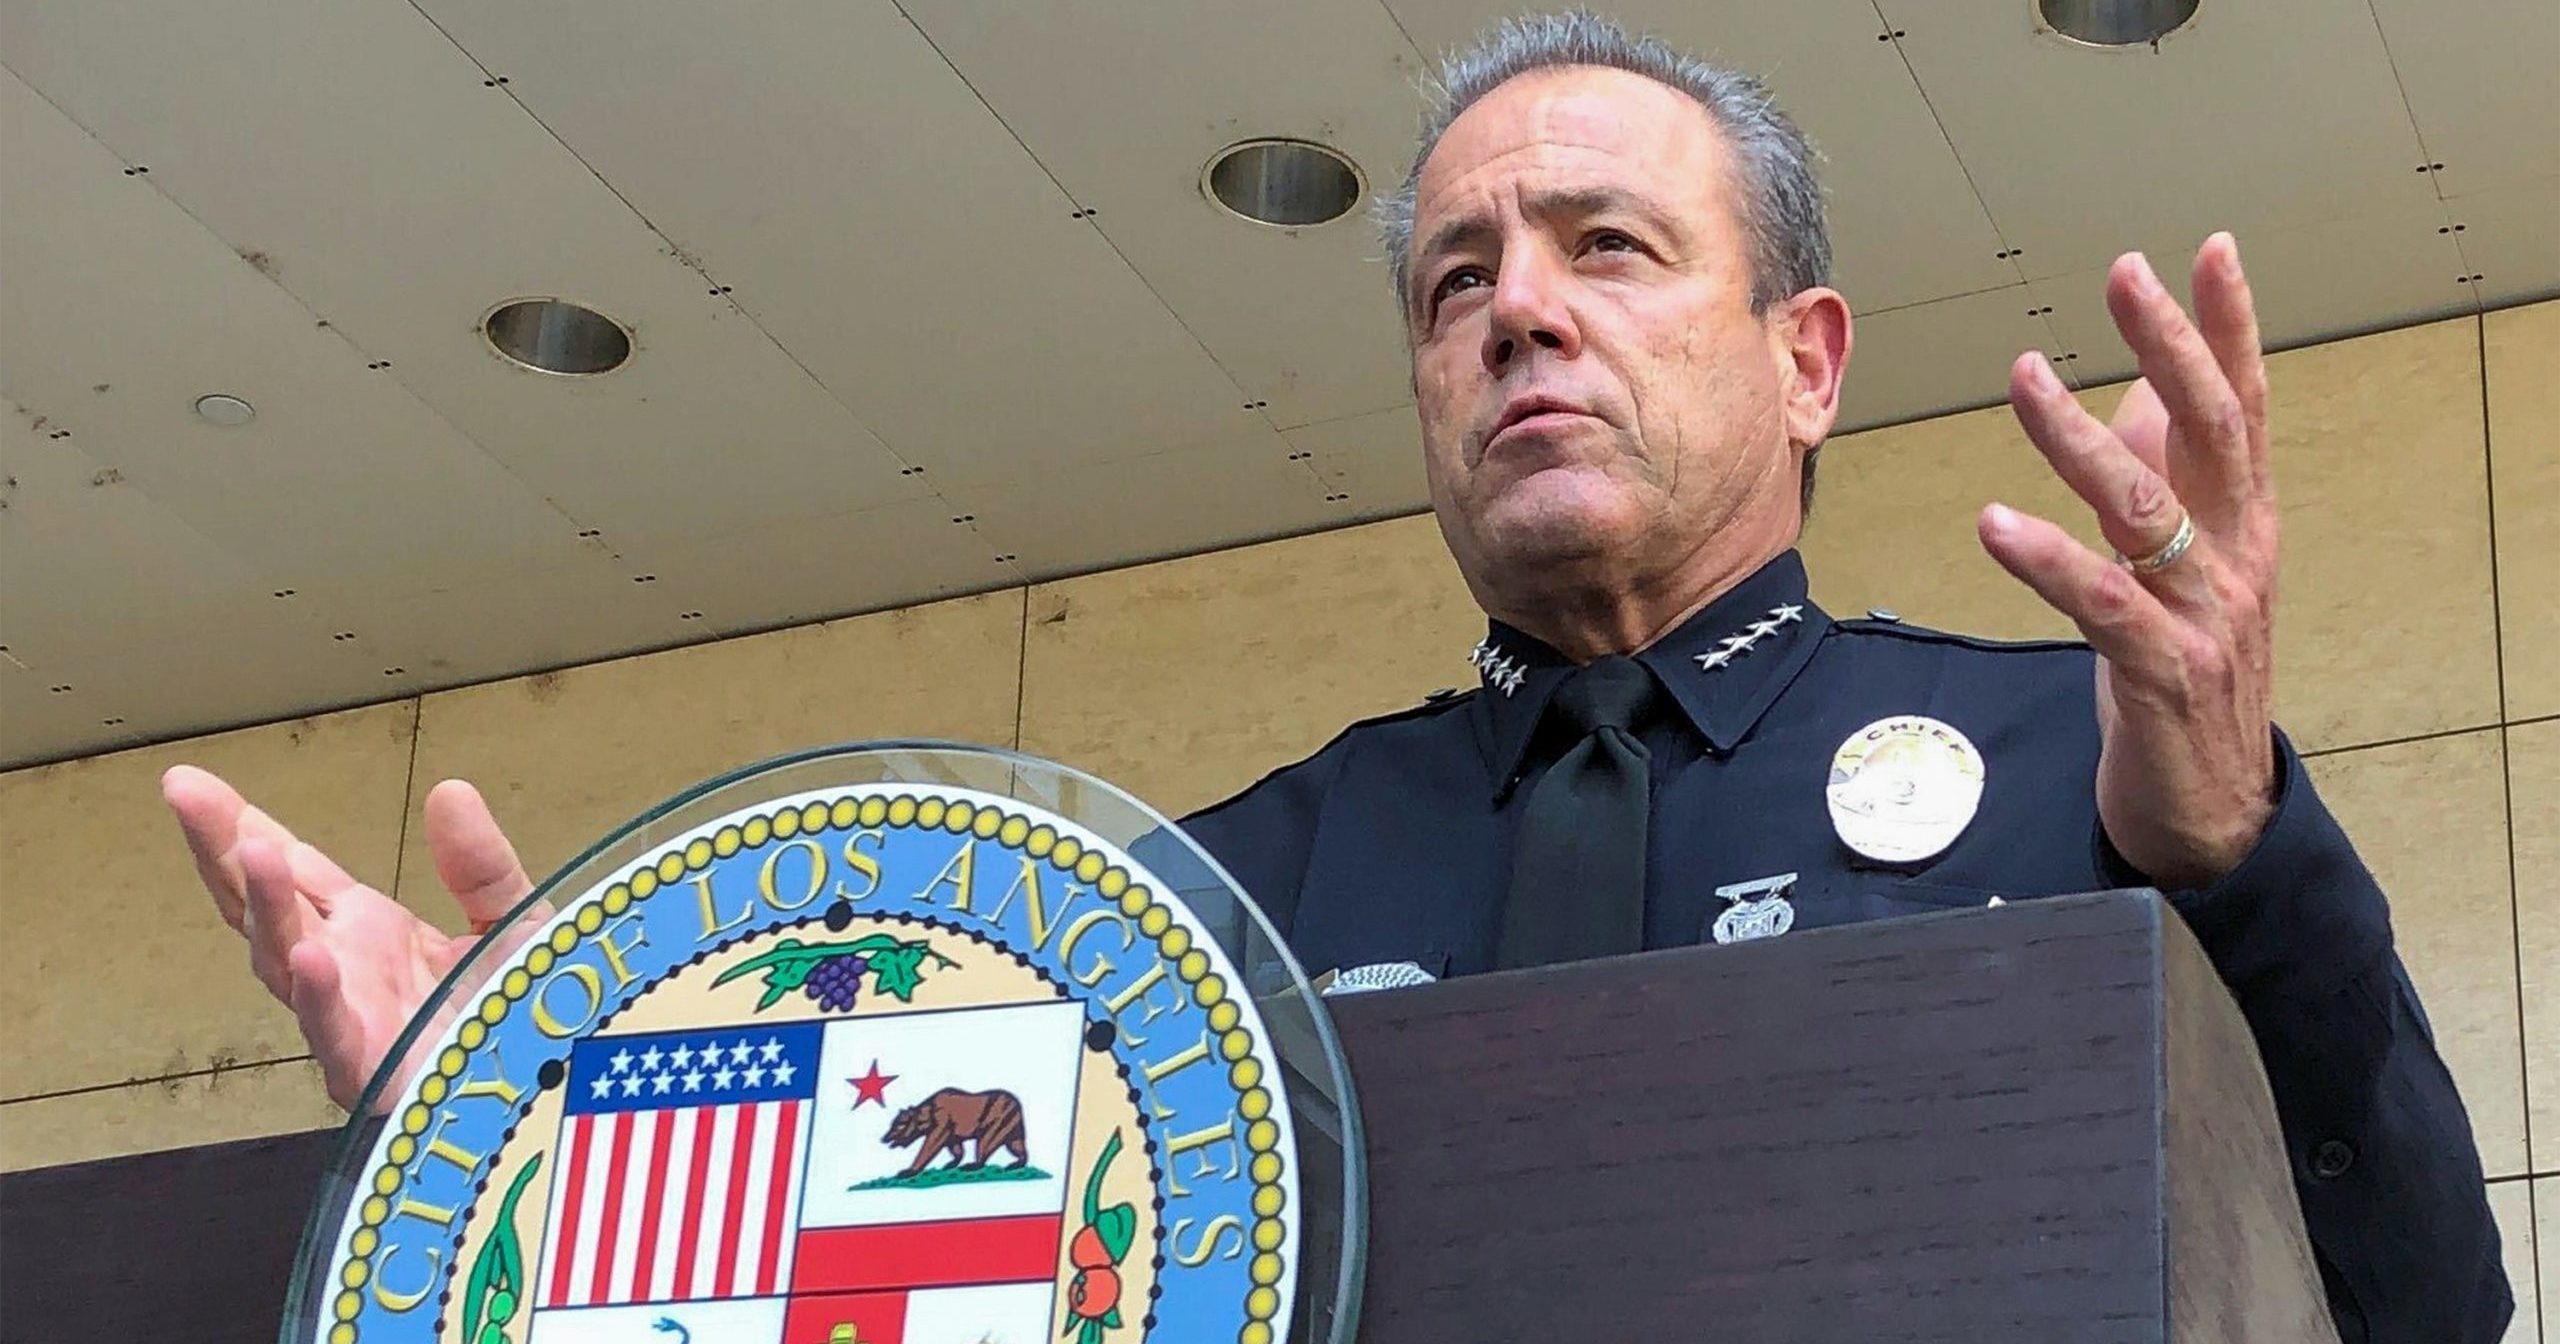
[(1503, 673)]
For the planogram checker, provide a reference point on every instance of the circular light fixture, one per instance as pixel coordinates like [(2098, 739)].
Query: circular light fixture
[(2115, 23), (1288, 184), (225, 410), (556, 336)]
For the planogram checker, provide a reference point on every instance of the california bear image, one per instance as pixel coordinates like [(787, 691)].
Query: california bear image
[(949, 1120)]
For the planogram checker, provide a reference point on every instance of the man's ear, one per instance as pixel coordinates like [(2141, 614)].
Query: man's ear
[(1809, 334)]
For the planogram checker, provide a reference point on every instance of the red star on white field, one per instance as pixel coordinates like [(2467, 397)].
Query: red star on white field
[(872, 1086)]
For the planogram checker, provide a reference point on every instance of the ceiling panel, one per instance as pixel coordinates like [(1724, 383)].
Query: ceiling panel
[(1374, 459), (2511, 239), (89, 562), (2309, 284), (359, 157), (2257, 117), (819, 568), (121, 310), (1905, 224), (2478, 78), (853, 194), (1126, 104), (1906, 363), (588, 609), (1149, 508), (38, 723)]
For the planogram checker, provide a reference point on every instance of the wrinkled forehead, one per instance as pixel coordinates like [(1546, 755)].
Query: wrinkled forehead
[(1575, 127)]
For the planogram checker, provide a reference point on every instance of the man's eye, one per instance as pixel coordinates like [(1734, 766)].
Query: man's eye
[(1610, 240), (1457, 281)]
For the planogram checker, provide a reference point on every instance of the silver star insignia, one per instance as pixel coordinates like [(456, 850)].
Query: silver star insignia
[(1511, 678), (1785, 615), (1709, 662)]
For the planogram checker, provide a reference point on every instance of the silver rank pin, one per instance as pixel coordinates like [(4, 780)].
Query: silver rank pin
[(1734, 646), (1501, 671)]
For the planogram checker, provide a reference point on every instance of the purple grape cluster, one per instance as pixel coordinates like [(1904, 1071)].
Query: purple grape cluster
[(835, 982)]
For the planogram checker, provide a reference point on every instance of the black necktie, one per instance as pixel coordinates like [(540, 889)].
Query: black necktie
[(1577, 872)]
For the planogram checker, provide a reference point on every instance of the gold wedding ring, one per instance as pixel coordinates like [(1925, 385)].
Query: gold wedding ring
[(2167, 555)]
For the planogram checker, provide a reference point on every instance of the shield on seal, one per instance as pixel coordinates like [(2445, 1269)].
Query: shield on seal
[(892, 1179)]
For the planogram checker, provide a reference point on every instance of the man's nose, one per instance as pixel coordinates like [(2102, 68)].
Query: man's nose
[(1529, 308)]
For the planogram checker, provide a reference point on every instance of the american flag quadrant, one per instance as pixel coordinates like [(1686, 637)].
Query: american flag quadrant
[(896, 1179)]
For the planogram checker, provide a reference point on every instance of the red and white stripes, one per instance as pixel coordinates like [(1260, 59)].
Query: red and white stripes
[(674, 1205)]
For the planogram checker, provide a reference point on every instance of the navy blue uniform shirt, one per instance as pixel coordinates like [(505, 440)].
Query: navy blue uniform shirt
[(1424, 806)]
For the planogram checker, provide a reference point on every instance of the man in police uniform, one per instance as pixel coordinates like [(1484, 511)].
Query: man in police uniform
[(1614, 274)]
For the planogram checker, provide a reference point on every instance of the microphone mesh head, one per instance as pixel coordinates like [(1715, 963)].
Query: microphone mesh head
[(1379, 975)]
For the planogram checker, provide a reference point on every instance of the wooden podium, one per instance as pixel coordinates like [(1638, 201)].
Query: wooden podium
[(2041, 1122)]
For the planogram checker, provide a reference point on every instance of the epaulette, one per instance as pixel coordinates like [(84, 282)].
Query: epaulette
[(1882, 622), (1437, 702)]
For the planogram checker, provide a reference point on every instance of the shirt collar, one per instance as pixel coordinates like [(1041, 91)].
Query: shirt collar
[(1724, 666)]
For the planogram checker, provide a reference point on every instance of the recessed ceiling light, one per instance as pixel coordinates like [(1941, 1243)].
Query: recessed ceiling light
[(226, 410), (2116, 23), (1286, 183), (556, 336)]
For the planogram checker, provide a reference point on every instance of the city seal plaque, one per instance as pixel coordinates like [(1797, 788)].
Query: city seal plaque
[(893, 1060)]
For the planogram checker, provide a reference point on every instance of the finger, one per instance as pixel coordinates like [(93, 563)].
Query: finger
[(2137, 511), (2211, 450), (274, 913), (217, 821), (2227, 314), (2119, 617), (208, 811), (473, 857), (329, 1023), (2143, 424)]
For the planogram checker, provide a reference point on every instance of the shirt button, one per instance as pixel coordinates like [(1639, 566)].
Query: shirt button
[(2330, 1160)]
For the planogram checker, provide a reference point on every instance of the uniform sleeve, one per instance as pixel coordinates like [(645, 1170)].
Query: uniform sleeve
[(2382, 1153)]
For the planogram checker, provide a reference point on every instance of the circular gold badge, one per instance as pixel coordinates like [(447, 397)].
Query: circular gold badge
[(1902, 789)]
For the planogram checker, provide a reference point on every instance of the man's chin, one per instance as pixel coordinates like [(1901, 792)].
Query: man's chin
[(1532, 527)]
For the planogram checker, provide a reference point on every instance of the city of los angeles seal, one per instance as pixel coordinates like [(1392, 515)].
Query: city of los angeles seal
[(882, 1064)]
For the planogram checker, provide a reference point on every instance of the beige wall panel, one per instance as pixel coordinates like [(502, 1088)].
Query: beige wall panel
[(2533, 763), (1185, 681), (2430, 820), (565, 757), (165, 1113), (2385, 626), (2511, 1203), (2524, 445), (2546, 1250), (116, 966), (2384, 620), (1893, 517)]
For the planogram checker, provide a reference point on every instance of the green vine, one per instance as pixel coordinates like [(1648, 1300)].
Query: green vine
[(496, 1286)]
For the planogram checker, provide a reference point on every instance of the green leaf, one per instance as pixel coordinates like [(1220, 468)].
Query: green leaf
[(1118, 1226), (1111, 1318), (500, 1264), (894, 971), (1093, 1183), (1091, 1334), (794, 953)]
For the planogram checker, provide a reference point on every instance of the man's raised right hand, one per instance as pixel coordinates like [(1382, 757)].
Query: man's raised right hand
[(353, 964)]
